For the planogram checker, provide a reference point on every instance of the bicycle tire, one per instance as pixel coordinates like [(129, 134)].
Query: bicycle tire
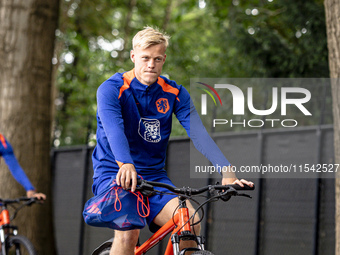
[(21, 245), (203, 253), (106, 251), (104, 248)]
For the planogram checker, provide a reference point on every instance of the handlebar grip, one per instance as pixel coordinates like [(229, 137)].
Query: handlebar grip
[(238, 187)]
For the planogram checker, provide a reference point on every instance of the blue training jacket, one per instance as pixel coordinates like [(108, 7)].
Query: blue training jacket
[(6, 151), (134, 124)]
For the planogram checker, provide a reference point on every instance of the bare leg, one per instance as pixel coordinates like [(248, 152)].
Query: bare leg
[(124, 242)]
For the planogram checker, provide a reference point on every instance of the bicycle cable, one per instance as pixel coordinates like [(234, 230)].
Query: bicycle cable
[(210, 200), (17, 209), (187, 198), (200, 205)]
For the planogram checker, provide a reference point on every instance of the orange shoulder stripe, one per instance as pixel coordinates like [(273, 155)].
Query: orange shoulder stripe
[(128, 77), (3, 141), (166, 87)]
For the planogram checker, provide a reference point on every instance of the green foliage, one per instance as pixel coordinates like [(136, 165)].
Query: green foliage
[(254, 38)]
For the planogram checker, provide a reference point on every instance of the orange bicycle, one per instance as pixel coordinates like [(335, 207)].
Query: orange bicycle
[(11, 242), (179, 225)]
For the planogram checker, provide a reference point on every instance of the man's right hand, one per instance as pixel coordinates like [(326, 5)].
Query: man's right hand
[(127, 177), (32, 193)]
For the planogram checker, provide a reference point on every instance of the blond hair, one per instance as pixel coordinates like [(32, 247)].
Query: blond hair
[(148, 37)]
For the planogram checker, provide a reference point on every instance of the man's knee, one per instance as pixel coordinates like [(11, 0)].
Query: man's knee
[(126, 238)]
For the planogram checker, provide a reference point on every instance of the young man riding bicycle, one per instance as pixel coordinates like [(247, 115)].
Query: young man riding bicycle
[(6, 151), (134, 124)]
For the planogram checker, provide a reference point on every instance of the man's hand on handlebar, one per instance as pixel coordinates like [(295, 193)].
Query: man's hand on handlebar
[(229, 177), (242, 182), (32, 193), (127, 177)]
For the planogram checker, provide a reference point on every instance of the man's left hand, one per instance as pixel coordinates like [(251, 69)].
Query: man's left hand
[(242, 182)]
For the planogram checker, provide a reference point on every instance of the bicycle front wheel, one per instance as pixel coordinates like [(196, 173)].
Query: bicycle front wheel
[(202, 253), (105, 251), (20, 245)]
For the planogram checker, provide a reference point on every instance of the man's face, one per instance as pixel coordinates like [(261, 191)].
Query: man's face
[(148, 63)]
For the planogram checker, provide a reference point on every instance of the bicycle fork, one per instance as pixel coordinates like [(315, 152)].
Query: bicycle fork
[(184, 232), (5, 229), (4, 220), (175, 239)]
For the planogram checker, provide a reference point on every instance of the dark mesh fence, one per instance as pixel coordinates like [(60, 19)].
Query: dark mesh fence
[(286, 215), (69, 170)]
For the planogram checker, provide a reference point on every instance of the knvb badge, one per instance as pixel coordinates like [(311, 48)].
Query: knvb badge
[(295, 96)]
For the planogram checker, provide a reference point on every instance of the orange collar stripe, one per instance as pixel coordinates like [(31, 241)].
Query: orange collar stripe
[(166, 87), (128, 77)]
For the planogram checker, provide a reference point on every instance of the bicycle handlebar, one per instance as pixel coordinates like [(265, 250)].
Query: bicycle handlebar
[(148, 185), (29, 200)]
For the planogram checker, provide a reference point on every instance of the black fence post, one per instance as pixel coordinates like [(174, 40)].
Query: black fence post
[(319, 136), (317, 196), (258, 229), (84, 196)]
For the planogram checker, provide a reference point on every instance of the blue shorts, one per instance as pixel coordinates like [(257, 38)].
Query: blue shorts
[(157, 201)]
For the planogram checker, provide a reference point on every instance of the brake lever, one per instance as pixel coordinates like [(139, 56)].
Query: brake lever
[(227, 194), (244, 195), (147, 190)]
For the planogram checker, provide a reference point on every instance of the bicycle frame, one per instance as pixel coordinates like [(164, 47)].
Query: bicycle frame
[(4, 224), (8, 233), (179, 223)]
